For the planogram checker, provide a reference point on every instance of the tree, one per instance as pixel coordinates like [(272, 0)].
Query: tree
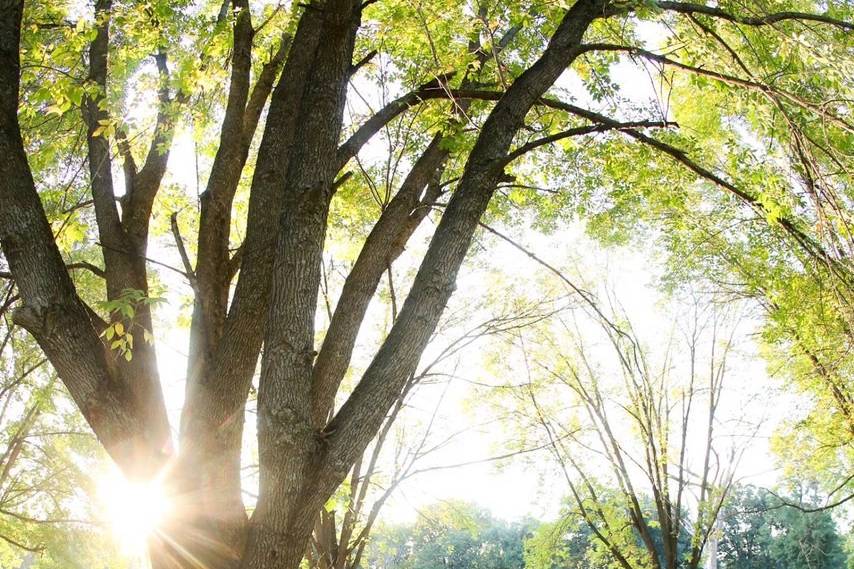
[(571, 543), (450, 535), (63, 82), (758, 532), (46, 454), (568, 543), (745, 534), (668, 472)]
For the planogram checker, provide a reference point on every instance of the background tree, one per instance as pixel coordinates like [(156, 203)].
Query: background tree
[(46, 452), (757, 532), (637, 441), (450, 535), (571, 543)]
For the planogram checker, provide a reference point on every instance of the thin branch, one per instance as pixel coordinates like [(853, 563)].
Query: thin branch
[(787, 504), (725, 78), (182, 250), (362, 62), (85, 265), (767, 19), (149, 259)]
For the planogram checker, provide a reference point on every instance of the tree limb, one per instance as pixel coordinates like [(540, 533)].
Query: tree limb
[(182, 251), (384, 244), (581, 130), (359, 418), (51, 310), (92, 268), (728, 79), (764, 20)]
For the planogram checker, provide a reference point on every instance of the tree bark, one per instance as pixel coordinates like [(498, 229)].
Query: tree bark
[(50, 308)]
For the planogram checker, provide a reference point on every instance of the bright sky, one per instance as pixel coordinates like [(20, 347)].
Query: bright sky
[(521, 488)]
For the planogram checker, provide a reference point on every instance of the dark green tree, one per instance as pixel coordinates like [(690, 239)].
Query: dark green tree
[(759, 531)]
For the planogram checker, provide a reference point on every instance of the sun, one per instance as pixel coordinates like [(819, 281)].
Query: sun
[(132, 510)]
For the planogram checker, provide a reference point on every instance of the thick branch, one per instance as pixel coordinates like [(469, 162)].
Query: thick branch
[(217, 402), (435, 89), (51, 309), (211, 429), (387, 240), (139, 198), (384, 244), (263, 87), (100, 162), (212, 278)]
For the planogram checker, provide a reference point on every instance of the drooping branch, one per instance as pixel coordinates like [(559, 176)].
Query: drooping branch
[(760, 20), (582, 130), (818, 109), (807, 243)]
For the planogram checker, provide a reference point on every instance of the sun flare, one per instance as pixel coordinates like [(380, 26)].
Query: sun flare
[(132, 510)]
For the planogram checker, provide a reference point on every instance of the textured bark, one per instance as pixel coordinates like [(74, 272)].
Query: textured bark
[(384, 244), (124, 241), (216, 415), (50, 309), (289, 204), (388, 238), (207, 475), (302, 458), (212, 280), (212, 422), (287, 442)]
